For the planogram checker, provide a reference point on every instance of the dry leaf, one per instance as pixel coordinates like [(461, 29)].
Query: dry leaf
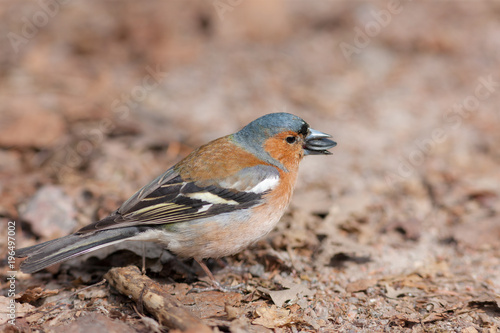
[(279, 297), (35, 293), (272, 317), (20, 309), (360, 285)]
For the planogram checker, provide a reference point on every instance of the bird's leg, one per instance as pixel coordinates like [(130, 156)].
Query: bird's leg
[(143, 258), (207, 271), (215, 284)]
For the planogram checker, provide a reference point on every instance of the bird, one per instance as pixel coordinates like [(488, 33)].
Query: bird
[(218, 200)]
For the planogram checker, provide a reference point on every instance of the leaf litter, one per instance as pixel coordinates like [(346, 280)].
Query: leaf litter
[(394, 232)]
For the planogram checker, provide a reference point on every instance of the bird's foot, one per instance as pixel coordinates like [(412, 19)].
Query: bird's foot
[(215, 285)]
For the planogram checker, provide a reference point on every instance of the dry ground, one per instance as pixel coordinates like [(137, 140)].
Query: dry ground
[(397, 231)]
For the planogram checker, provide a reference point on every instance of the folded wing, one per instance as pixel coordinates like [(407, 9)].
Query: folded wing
[(172, 199)]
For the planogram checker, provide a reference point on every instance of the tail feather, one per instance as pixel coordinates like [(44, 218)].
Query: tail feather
[(61, 249), (26, 251)]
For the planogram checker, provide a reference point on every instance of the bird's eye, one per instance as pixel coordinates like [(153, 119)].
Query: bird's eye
[(291, 139)]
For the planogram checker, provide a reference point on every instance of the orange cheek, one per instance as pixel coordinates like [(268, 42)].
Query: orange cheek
[(287, 154)]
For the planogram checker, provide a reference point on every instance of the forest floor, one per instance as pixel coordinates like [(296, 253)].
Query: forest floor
[(397, 231)]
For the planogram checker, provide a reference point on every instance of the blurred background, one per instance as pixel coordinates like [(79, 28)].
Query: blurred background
[(99, 97)]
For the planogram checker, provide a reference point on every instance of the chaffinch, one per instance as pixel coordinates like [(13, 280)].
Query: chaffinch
[(218, 200)]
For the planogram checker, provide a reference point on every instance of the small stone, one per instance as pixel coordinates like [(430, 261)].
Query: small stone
[(257, 270), (50, 212)]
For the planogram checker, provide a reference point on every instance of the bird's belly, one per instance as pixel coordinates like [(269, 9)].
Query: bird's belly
[(220, 236)]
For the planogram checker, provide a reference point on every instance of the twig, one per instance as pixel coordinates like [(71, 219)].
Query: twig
[(167, 310)]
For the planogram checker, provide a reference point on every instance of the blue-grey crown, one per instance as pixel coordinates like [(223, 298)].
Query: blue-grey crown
[(253, 135)]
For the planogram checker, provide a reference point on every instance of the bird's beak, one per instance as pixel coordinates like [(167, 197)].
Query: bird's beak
[(317, 143)]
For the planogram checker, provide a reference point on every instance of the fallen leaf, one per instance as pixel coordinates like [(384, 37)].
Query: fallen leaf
[(272, 317), (233, 312), (396, 293), (360, 285), (279, 297), (20, 309), (35, 293)]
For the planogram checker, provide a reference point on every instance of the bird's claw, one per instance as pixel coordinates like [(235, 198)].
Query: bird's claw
[(216, 286)]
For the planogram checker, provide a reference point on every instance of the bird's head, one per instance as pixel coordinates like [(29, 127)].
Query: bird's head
[(282, 139)]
